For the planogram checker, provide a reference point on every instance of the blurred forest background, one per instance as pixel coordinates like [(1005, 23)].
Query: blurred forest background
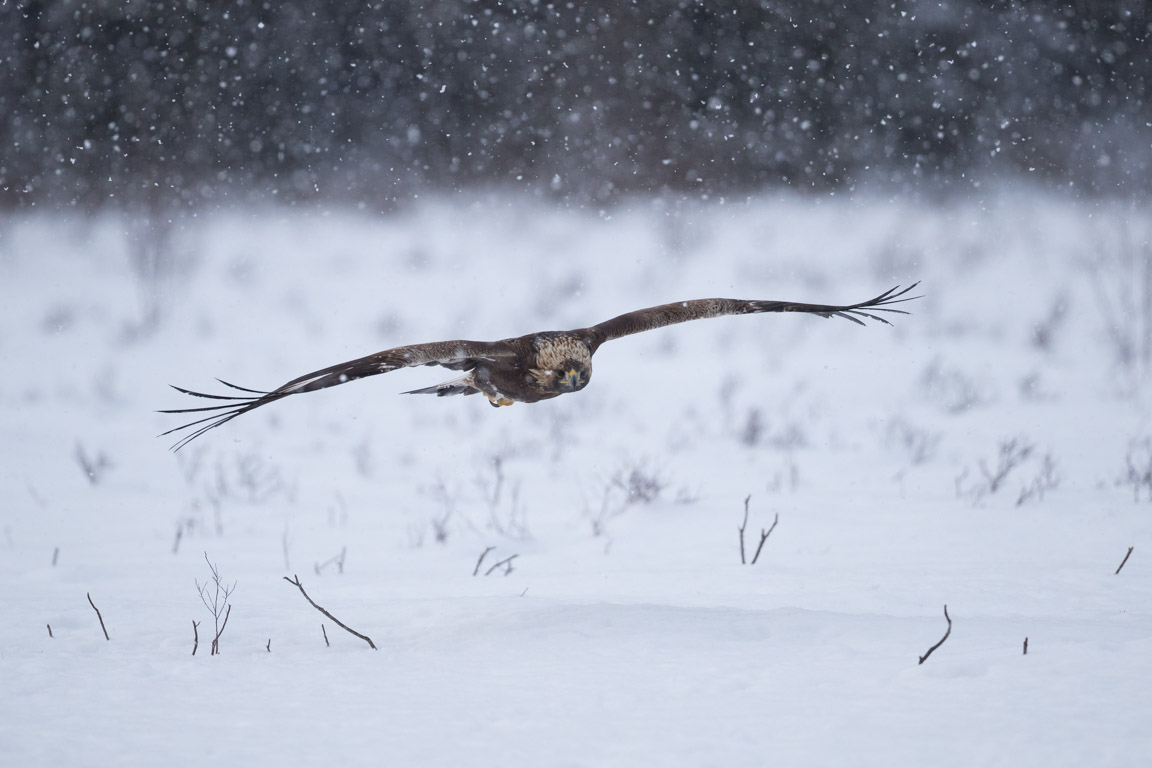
[(145, 103)]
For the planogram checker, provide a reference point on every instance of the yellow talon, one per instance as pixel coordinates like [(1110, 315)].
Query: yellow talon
[(498, 401)]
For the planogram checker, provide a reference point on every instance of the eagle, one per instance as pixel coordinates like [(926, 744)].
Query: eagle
[(524, 369)]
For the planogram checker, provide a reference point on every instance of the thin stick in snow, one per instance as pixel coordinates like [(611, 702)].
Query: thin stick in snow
[(216, 640), (98, 615), (1025, 646), (339, 623), (483, 554), (325, 633), (947, 632), (195, 637), (49, 630), (506, 562), (764, 534), (741, 528), (1125, 558), (269, 646)]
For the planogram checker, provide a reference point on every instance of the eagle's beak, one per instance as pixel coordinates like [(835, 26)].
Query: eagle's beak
[(571, 379)]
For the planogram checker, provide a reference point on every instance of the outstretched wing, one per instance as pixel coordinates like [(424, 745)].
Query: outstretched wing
[(457, 355), (682, 311)]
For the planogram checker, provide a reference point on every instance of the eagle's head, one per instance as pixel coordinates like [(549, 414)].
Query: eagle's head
[(570, 376)]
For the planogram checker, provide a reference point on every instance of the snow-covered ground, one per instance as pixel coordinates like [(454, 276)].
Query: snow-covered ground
[(627, 632)]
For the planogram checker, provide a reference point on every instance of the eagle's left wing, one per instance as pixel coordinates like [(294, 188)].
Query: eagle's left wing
[(457, 355), (682, 311)]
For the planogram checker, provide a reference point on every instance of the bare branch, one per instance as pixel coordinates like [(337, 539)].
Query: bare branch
[(337, 560), (483, 554), (764, 534), (506, 562), (50, 630), (215, 596), (1025, 646), (741, 529), (947, 632), (269, 646), (339, 623), (98, 616), (1125, 558), (325, 633), (216, 640), (195, 636)]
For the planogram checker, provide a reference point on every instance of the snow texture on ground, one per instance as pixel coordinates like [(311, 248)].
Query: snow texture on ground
[(627, 631)]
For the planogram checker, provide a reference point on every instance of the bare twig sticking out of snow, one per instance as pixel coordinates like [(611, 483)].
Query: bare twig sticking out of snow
[(1125, 559), (479, 560), (216, 602), (1012, 453), (98, 616), (195, 636), (1139, 468), (743, 525), (1048, 479), (93, 467), (296, 580), (50, 630), (216, 640), (947, 632), (764, 534), (337, 560), (506, 562), (324, 632), (1025, 646)]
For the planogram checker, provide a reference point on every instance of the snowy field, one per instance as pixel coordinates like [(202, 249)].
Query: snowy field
[(990, 452)]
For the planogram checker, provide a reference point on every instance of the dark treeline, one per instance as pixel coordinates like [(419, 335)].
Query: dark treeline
[(188, 101)]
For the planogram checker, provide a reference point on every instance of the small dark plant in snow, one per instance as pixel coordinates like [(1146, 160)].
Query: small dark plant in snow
[(215, 595), (1138, 469), (245, 477), (756, 430), (753, 430), (1047, 479), (1045, 330), (258, 480), (917, 444), (447, 502), (502, 497), (335, 562), (609, 507), (991, 477), (639, 483), (785, 478), (950, 388), (93, 467), (1122, 282), (764, 534)]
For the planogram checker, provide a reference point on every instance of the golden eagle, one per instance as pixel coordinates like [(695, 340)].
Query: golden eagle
[(525, 369)]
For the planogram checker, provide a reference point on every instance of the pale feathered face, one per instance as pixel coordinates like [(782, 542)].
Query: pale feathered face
[(569, 376)]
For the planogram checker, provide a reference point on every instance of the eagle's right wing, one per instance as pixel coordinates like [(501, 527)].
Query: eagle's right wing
[(683, 311), (457, 355)]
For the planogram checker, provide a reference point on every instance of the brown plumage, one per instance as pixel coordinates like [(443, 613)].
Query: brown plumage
[(525, 369)]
